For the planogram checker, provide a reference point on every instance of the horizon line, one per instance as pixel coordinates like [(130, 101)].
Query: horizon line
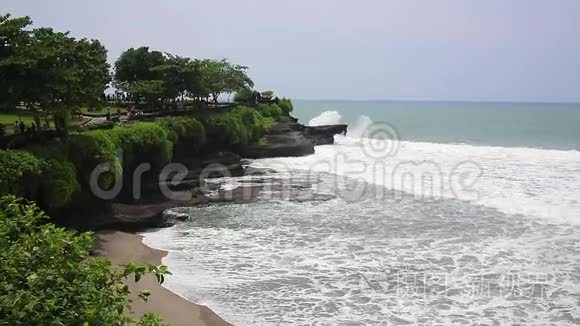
[(439, 101)]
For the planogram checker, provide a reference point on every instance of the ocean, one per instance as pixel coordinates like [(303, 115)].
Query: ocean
[(423, 214)]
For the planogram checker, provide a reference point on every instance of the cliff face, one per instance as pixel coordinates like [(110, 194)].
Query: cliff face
[(293, 139), (123, 213)]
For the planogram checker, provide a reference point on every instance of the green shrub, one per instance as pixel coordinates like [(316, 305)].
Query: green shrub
[(54, 149), (226, 129), (285, 105), (20, 173), (270, 110), (186, 131), (52, 173), (139, 143), (86, 150), (143, 142), (268, 123), (47, 276), (44, 175), (58, 183), (252, 120), (58, 180), (240, 126)]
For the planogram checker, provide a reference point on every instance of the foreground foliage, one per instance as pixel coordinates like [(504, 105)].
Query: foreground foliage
[(48, 278)]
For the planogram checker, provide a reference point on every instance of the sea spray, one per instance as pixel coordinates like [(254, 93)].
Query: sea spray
[(358, 128), (326, 118)]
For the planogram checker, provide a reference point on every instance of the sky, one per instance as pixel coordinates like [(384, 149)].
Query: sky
[(458, 50)]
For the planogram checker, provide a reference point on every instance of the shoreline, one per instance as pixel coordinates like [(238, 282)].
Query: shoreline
[(123, 247), (116, 231)]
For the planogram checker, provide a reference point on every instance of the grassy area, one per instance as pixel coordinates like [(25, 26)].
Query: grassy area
[(8, 119), (102, 110)]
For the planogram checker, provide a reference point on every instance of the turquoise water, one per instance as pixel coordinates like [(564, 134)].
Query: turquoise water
[(555, 126)]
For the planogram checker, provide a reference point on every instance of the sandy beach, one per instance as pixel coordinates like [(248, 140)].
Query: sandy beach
[(123, 247)]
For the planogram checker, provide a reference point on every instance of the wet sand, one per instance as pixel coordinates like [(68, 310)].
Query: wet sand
[(122, 248)]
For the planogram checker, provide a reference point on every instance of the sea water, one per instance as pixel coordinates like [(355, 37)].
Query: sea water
[(449, 214)]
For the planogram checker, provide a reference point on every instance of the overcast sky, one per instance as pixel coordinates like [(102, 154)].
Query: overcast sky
[(494, 50)]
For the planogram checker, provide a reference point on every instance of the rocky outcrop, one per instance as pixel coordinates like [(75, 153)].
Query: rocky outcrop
[(324, 135), (283, 140), (293, 139)]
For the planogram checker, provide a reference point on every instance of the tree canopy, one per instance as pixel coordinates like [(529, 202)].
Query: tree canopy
[(13, 36), (221, 76), (151, 76), (53, 74), (50, 72), (136, 65)]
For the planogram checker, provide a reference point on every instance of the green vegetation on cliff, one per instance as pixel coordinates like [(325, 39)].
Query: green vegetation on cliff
[(52, 173)]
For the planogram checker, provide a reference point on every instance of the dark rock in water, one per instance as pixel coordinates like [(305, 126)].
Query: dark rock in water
[(237, 195), (168, 214), (313, 197), (293, 139), (213, 165), (258, 171), (219, 164), (324, 135)]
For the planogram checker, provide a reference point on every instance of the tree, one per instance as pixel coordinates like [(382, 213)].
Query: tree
[(136, 65), (193, 79), (67, 73), (147, 91), (48, 278), (220, 76), (12, 37), (177, 74), (88, 73), (167, 77), (137, 72), (245, 96), (51, 72), (236, 78)]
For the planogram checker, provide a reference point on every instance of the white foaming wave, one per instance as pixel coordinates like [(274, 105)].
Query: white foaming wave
[(541, 183), (326, 118), (292, 264), (264, 264), (180, 281), (355, 129)]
